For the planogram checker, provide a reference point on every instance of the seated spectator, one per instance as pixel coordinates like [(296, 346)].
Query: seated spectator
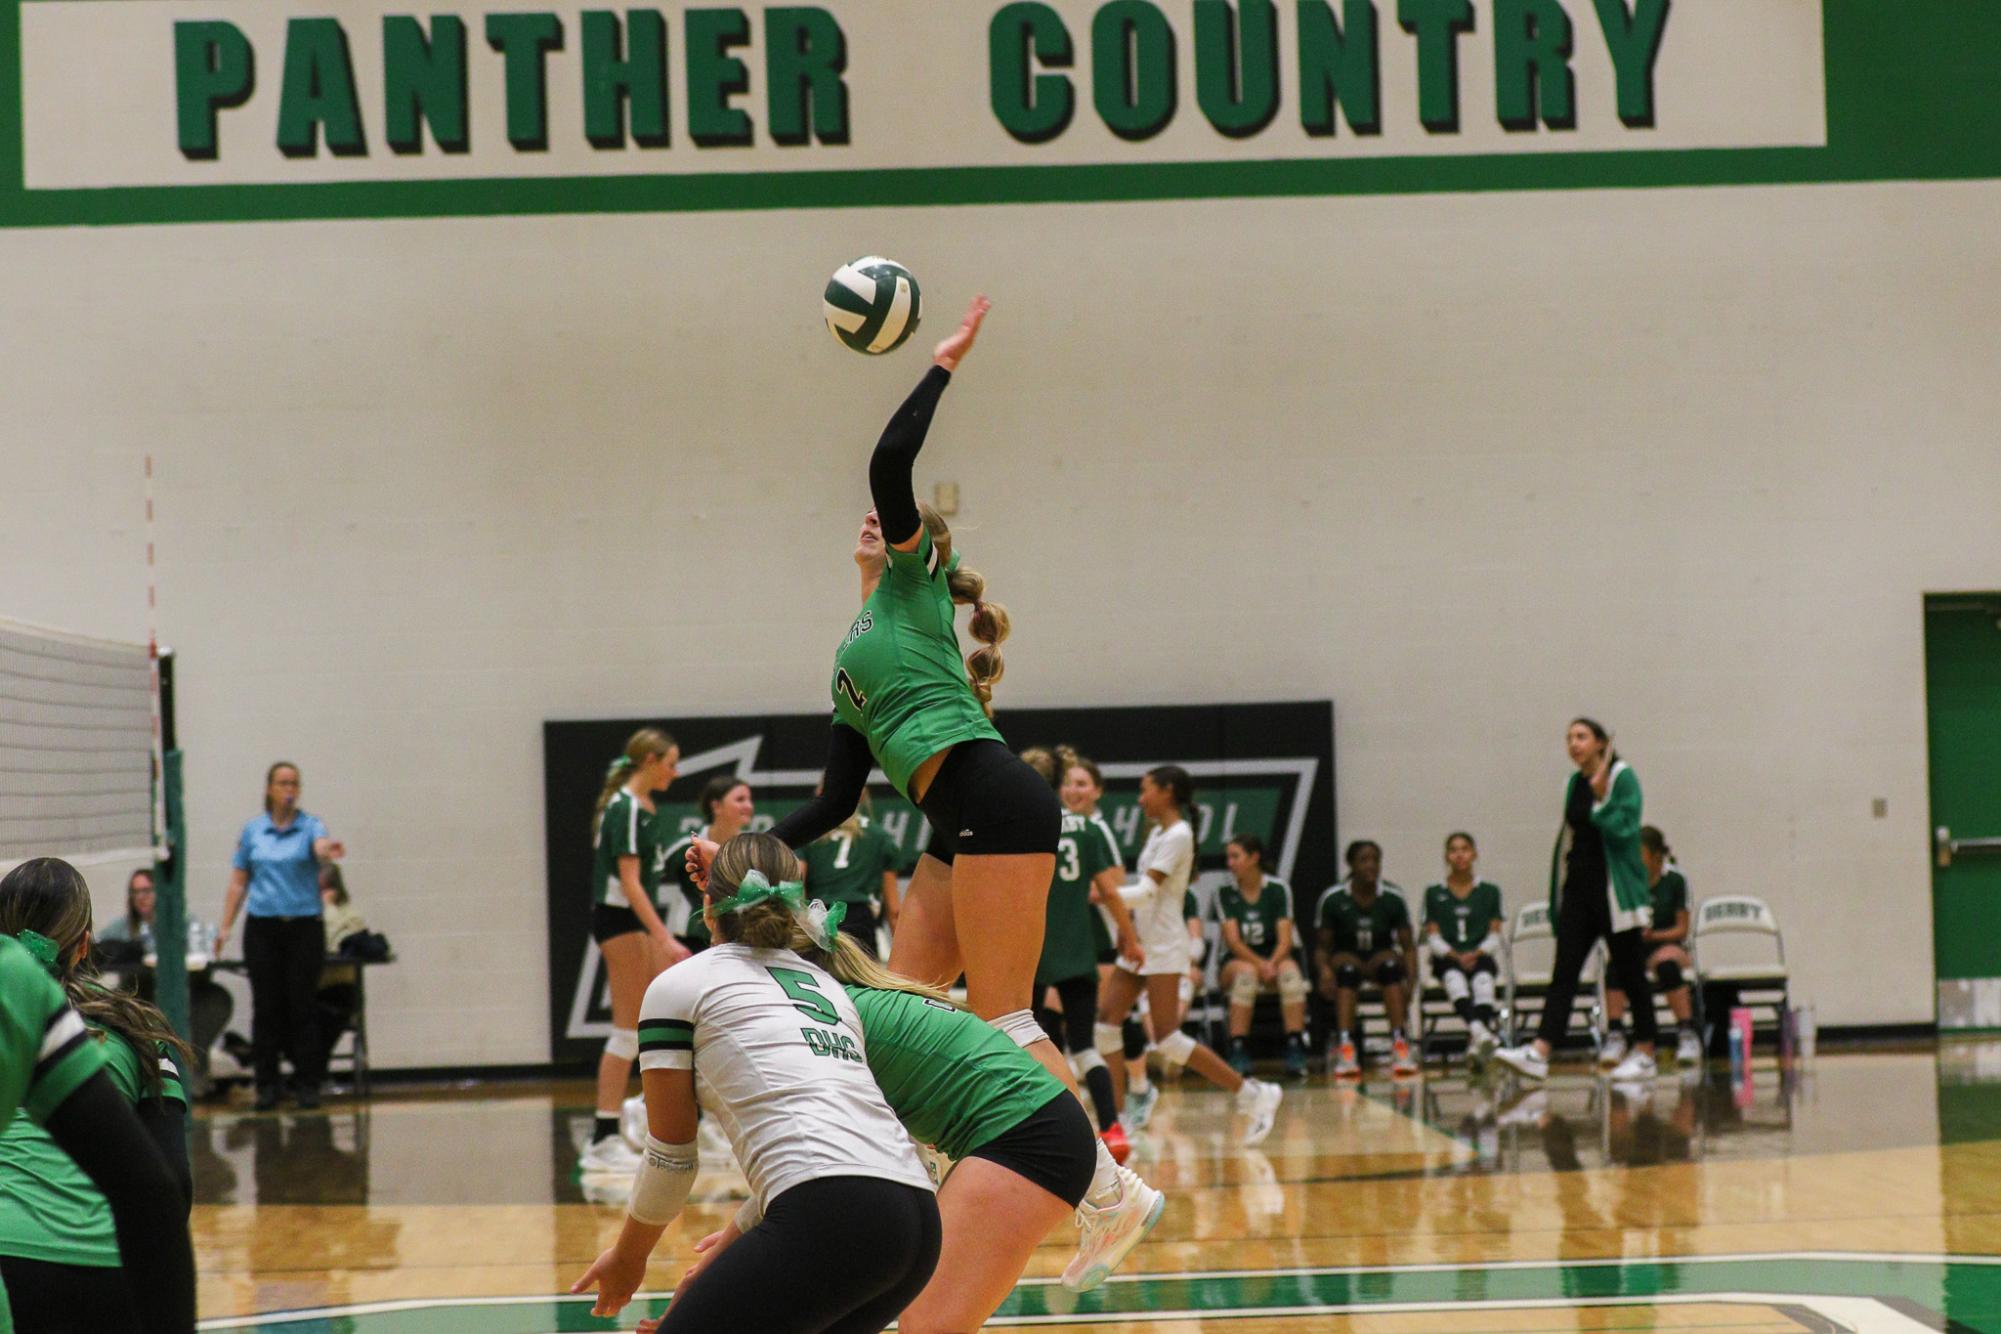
[(1365, 936), (1256, 911), (125, 946), (1462, 932), (338, 989), (1667, 954)]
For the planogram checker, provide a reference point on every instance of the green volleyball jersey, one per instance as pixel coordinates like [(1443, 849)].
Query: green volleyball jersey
[(953, 1079), (1085, 849), (49, 1210), (899, 678), (1190, 906), (1670, 899), (846, 866), (1359, 930), (1257, 923), (44, 1051), (680, 898), (627, 830), (1463, 923)]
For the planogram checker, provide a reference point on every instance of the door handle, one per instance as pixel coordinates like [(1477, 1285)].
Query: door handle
[(1949, 847)]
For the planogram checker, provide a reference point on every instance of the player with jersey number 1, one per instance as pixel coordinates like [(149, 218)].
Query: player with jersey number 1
[(1462, 933)]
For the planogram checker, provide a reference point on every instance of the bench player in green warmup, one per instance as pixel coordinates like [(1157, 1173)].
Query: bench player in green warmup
[(855, 863), (1666, 941), (1462, 933), (1256, 911), (1365, 935), (52, 1069)]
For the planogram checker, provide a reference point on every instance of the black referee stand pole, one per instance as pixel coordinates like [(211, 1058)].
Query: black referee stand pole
[(170, 908)]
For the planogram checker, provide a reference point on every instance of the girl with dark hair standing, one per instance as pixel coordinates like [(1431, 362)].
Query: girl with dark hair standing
[(67, 1249), (275, 878), (1598, 890), (1166, 863)]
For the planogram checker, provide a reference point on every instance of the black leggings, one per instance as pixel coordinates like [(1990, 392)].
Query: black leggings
[(67, 1299), (1075, 1032), (984, 801), (1584, 915), (840, 1255), (284, 956)]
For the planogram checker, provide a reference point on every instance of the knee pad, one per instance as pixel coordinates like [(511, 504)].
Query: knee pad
[(623, 1043), (1347, 977), (1454, 983), (1107, 1040), (1021, 1027), (1670, 976), (1483, 987), (1243, 987), (1390, 971), (1132, 1036), (1176, 1048), (1084, 1062), (1292, 987)]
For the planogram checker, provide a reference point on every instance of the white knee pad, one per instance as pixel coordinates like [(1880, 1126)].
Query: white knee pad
[(1109, 1041), (1176, 1048), (623, 1043), (1084, 1062), (1454, 983), (1292, 987), (1021, 1026), (1243, 987), (1483, 988)]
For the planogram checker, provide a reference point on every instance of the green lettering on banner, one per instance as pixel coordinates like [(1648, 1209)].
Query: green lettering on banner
[(1338, 62), (715, 76), (214, 70), (1032, 107), (1437, 25), (318, 94), (636, 79), (805, 57), (1132, 68), (1532, 79), (1236, 65), (424, 82), (524, 40), (1633, 39)]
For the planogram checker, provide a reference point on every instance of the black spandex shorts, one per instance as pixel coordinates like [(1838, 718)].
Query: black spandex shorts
[(611, 920), (1053, 1146), (985, 802), (67, 1299), (1073, 1031), (859, 923), (1439, 966)]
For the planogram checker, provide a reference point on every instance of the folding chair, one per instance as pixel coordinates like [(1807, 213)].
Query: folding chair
[(1736, 942)]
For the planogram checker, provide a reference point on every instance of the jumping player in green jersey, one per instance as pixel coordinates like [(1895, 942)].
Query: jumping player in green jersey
[(1667, 954), (637, 947), (53, 1076), (1364, 931), (1258, 936), (1462, 933), (855, 863)]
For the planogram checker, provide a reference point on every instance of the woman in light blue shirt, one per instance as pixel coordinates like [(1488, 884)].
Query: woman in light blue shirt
[(277, 869)]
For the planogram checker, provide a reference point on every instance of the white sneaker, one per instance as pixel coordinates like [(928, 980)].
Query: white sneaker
[(1106, 1234), (1525, 1060), (1614, 1050), (1688, 1048), (1639, 1066), (632, 1122), (1139, 1108), (1261, 1106), (1481, 1049), (610, 1154)]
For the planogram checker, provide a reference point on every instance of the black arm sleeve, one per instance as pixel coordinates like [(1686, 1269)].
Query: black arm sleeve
[(896, 454), (848, 763), (167, 1122), (97, 1129)]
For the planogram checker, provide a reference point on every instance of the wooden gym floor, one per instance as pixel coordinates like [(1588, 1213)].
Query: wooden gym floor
[(1863, 1194)]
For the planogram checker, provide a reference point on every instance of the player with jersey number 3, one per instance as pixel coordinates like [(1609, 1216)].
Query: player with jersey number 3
[(905, 699)]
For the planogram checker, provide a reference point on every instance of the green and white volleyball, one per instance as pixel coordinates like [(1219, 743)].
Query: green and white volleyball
[(872, 304)]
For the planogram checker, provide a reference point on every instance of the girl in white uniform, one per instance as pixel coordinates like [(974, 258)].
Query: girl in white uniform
[(841, 1231), (1165, 865)]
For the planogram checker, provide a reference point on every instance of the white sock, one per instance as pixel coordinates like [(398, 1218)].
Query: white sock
[(1247, 1092), (1105, 1185), (1137, 1081)]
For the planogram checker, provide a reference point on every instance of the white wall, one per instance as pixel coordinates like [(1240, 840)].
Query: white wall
[(1683, 459)]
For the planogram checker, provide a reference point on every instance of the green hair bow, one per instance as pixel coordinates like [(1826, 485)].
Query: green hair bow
[(45, 950), (822, 922)]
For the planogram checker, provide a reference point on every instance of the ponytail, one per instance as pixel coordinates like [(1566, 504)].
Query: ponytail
[(990, 623), (640, 747)]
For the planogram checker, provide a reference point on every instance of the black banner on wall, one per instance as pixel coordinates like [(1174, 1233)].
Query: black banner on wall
[(1266, 769)]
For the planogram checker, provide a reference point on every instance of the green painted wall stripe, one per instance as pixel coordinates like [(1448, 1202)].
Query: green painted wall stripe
[(1909, 92)]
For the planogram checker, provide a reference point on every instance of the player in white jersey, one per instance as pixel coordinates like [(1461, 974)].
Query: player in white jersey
[(841, 1231), (1166, 862)]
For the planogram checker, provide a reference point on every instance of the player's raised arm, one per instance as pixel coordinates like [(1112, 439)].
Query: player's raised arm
[(895, 454)]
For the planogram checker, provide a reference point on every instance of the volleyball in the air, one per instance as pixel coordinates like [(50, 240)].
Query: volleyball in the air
[(872, 304)]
